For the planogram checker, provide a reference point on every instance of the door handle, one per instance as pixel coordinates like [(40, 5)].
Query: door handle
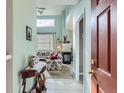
[(92, 72)]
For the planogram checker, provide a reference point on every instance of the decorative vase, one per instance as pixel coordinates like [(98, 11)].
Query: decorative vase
[(65, 39)]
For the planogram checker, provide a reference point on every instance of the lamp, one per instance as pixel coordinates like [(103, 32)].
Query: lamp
[(59, 48)]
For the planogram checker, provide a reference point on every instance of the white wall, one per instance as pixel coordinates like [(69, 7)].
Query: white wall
[(23, 14), (78, 10)]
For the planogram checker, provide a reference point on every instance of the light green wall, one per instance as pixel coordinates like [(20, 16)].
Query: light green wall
[(68, 12), (57, 29), (77, 11), (63, 24), (23, 14)]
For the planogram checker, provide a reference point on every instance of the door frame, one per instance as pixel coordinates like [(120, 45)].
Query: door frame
[(77, 43), (86, 48), (86, 13)]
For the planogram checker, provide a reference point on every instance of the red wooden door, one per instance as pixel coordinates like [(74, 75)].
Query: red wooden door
[(104, 46)]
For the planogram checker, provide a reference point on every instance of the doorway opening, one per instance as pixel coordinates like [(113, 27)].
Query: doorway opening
[(81, 49), (59, 74)]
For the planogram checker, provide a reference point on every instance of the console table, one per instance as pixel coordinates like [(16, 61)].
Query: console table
[(27, 74), (38, 73)]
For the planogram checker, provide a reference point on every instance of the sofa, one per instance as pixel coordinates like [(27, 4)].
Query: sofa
[(53, 59)]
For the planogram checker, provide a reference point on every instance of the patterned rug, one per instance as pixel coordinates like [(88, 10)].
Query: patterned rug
[(65, 73)]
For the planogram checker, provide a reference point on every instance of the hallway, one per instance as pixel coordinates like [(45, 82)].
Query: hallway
[(49, 24)]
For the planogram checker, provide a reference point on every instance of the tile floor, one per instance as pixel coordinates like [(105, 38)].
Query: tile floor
[(61, 85)]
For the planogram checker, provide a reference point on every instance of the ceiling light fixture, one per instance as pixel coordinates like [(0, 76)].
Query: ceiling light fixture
[(41, 8), (41, 12)]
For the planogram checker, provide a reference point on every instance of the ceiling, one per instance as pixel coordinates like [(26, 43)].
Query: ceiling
[(50, 10), (52, 7)]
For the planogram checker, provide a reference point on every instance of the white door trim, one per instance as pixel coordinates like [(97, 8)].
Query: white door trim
[(77, 73)]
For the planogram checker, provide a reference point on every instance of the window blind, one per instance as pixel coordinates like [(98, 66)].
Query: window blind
[(46, 41)]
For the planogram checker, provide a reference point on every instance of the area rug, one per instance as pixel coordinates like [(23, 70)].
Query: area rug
[(65, 73)]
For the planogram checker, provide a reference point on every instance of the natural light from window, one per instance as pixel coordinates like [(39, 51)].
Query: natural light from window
[(45, 22), (46, 41)]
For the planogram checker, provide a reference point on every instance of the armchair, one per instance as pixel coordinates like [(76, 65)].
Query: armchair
[(54, 62)]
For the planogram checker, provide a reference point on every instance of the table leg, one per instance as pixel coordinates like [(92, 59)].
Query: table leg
[(24, 83)]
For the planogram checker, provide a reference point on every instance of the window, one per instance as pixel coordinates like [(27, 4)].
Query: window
[(46, 42), (45, 22)]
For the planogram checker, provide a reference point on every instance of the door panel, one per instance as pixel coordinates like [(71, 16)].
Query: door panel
[(103, 34), (104, 46), (101, 90), (94, 86)]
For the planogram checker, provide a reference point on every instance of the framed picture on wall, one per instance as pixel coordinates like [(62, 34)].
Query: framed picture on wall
[(28, 33)]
